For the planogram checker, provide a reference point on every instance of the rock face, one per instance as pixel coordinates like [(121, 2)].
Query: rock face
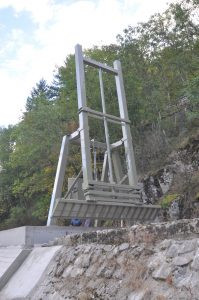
[(151, 262), (179, 176)]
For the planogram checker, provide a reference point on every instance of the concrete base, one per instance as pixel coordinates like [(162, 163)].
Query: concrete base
[(28, 275), (11, 259), (31, 235)]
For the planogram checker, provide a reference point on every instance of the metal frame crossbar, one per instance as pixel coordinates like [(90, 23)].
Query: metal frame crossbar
[(85, 111), (115, 191)]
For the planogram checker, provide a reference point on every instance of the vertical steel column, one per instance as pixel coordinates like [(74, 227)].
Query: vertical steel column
[(106, 127), (59, 178), (83, 117), (105, 168), (117, 166), (132, 173), (94, 161)]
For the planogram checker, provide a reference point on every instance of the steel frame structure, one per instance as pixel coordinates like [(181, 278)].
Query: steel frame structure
[(109, 194)]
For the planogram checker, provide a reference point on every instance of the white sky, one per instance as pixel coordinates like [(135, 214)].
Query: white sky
[(37, 35)]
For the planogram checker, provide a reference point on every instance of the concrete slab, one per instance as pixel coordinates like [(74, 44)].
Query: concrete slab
[(10, 260), (7, 256), (29, 273)]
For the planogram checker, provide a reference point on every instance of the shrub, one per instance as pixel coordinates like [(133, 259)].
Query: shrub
[(168, 199)]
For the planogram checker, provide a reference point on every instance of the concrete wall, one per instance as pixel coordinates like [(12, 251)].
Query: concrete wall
[(30, 235), (43, 234), (15, 236)]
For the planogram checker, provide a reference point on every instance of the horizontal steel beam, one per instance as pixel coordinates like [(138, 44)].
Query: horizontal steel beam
[(99, 145), (99, 199), (117, 144), (112, 194), (115, 185), (101, 115), (96, 64), (95, 144), (75, 135)]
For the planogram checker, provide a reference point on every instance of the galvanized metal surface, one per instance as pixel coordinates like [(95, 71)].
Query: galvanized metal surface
[(59, 178), (104, 210), (117, 194), (107, 137), (128, 145)]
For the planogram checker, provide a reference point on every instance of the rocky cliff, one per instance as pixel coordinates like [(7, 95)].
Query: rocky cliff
[(176, 185), (143, 262)]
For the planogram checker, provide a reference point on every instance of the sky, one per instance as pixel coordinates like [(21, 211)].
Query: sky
[(37, 35)]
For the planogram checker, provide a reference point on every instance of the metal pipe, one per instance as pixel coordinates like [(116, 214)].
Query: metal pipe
[(73, 184), (106, 127), (94, 161)]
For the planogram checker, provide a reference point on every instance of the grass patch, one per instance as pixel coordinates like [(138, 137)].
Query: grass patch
[(168, 199)]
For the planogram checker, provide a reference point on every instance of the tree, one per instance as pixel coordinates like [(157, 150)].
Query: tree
[(7, 175), (42, 93), (160, 65)]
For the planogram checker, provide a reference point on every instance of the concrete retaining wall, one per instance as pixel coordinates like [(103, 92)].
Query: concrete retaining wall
[(42, 234), (10, 260), (31, 235), (15, 237)]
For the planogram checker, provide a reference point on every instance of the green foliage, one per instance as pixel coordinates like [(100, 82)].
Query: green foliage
[(41, 208), (18, 217), (168, 199), (192, 93), (160, 64)]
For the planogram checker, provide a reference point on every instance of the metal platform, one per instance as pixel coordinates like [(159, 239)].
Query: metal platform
[(112, 190), (104, 210)]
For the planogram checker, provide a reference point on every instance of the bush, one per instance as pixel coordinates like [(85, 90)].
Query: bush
[(168, 199), (17, 217)]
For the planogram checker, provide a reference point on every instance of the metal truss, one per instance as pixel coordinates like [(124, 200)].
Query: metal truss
[(116, 195)]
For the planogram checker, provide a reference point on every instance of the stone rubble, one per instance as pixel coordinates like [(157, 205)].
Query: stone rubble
[(149, 262)]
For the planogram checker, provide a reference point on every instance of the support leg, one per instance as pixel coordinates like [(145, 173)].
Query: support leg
[(104, 176), (59, 178), (132, 173), (117, 165)]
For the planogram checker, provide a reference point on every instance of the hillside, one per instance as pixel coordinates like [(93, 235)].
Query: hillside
[(160, 61)]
